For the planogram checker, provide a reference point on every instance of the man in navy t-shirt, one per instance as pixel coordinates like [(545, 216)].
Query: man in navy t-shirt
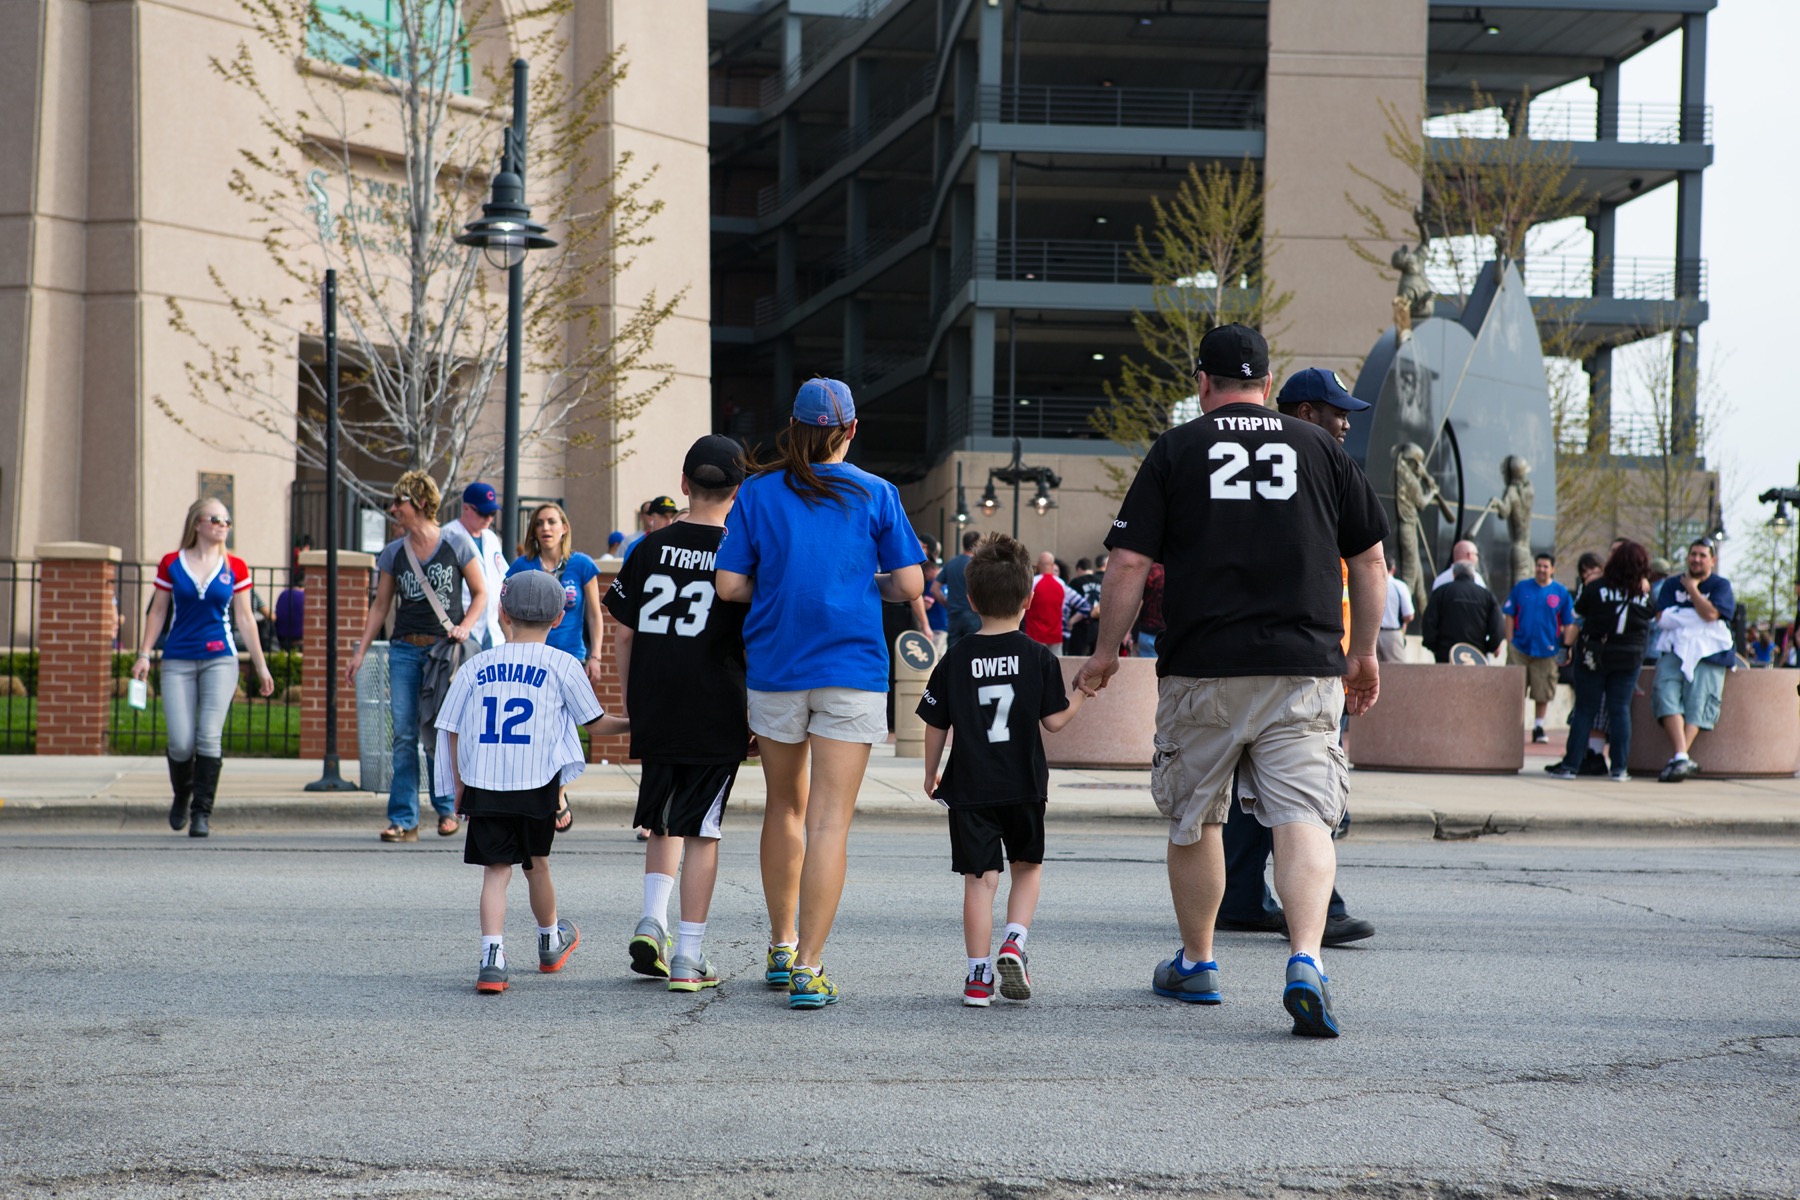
[(1536, 611), (1694, 610)]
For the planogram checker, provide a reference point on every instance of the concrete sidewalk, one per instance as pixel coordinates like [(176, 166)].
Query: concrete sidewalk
[(133, 792)]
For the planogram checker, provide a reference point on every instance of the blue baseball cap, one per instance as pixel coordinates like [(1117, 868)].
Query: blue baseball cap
[(824, 402), (1316, 385), (480, 497), (614, 538)]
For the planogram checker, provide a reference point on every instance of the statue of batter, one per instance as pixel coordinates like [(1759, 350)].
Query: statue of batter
[(1414, 488), (1413, 299), (1514, 507)]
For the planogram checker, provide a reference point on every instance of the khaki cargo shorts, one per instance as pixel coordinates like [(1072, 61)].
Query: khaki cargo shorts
[(1281, 729), (1540, 673)]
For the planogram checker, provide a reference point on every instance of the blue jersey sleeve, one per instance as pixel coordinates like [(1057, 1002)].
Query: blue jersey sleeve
[(737, 553), (1721, 597), (896, 545)]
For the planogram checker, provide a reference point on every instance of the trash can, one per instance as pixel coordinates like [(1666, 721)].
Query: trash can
[(914, 656), (375, 725)]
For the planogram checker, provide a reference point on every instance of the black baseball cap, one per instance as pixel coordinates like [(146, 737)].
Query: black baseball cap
[(1316, 385), (715, 461), (662, 506), (1237, 351)]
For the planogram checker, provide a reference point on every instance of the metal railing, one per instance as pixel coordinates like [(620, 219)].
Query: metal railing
[(1583, 121), (257, 726), (1575, 276), (18, 675), (734, 91), (1045, 417), (819, 160), (817, 43), (816, 277), (1053, 260), (1123, 107)]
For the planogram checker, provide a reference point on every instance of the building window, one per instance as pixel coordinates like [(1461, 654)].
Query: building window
[(371, 35)]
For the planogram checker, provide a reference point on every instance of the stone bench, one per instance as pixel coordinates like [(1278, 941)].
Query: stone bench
[(1113, 730), (1758, 732), (1441, 717)]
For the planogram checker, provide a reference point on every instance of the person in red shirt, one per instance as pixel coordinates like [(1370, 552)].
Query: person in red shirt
[(1044, 615)]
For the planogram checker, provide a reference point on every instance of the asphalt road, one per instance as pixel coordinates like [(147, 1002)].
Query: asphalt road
[(294, 1015)]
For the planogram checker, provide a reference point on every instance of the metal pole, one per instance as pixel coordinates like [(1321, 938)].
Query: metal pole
[(1018, 461), (515, 321), (329, 779)]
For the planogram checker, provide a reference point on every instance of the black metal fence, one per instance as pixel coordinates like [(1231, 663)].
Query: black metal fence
[(18, 679)]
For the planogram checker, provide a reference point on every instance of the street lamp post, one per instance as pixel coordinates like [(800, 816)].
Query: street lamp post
[(329, 779), (1016, 473), (504, 233)]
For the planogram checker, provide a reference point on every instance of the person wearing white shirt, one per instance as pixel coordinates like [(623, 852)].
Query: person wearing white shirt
[(1390, 645), (479, 504), (1461, 552)]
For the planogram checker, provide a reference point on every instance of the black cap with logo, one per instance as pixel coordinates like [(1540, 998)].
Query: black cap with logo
[(1235, 351)]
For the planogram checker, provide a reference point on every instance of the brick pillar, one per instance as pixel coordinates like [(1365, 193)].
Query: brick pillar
[(77, 619), (612, 699), (354, 572)]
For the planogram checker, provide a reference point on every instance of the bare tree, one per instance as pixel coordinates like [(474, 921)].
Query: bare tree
[(1762, 573), (382, 120), (1206, 261)]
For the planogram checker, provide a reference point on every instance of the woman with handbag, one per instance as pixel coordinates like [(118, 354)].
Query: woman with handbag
[(424, 569), (549, 546), (202, 590)]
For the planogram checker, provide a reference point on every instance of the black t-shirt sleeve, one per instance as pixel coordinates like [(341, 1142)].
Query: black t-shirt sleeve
[(934, 705), (622, 595), (1361, 520), (1053, 697), (1143, 516)]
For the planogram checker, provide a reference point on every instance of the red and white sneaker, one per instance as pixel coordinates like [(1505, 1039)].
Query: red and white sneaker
[(1015, 980), (978, 990)]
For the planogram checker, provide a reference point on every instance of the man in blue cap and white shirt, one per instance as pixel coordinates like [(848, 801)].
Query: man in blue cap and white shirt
[(1315, 396), (479, 504)]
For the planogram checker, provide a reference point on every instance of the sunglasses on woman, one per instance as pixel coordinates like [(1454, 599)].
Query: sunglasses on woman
[(221, 521)]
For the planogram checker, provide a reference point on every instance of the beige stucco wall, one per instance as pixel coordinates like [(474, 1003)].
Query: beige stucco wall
[(1331, 65), (117, 200)]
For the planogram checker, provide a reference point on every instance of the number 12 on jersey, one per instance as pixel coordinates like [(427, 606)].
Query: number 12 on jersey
[(1232, 458), (518, 711)]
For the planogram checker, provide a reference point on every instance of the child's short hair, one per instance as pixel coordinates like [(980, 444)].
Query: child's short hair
[(711, 495), (998, 576)]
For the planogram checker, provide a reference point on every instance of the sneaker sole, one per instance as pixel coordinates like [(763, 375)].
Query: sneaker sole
[(977, 1001), (810, 1001), (1307, 1008), (647, 958), (490, 989), (777, 979), (1015, 984), (1190, 997), (550, 968), (691, 985)]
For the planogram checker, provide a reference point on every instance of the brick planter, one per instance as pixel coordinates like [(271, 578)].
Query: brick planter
[(77, 620), (354, 570)]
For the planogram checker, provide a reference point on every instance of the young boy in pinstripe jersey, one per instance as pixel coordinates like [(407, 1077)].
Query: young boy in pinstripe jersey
[(507, 745)]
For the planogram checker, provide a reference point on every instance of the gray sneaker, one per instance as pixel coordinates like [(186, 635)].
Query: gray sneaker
[(691, 974), (649, 948), (553, 954), (1199, 986), (492, 979), (1307, 998)]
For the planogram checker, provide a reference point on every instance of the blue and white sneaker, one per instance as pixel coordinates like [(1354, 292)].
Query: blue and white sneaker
[(1307, 998), (1197, 986)]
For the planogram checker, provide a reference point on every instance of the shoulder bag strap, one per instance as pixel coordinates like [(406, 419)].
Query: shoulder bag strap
[(437, 606)]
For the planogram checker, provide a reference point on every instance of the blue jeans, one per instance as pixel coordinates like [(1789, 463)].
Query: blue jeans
[(1146, 645), (1594, 689), (406, 666)]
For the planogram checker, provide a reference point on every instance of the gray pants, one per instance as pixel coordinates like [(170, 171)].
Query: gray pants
[(196, 695), (1390, 646)]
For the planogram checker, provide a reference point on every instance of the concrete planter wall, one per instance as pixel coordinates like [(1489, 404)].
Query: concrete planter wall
[(1758, 731), (1114, 728), (1440, 717)]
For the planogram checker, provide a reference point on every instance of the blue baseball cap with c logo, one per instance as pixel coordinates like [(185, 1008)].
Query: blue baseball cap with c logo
[(824, 402)]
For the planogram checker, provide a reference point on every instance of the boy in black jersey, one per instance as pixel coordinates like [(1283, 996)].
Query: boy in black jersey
[(994, 688), (681, 667)]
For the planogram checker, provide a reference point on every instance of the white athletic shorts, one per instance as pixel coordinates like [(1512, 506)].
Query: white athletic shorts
[(840, 713)]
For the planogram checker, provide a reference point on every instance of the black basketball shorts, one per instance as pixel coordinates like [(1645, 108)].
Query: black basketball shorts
[(684, 799), (977, 836), (503, 839)]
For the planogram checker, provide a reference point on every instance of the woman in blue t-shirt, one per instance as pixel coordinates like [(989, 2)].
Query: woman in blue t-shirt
[(547, 547), (202, 591), (814, 545)]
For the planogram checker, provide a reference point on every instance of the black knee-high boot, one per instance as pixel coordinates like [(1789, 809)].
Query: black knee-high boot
[(181, 778), (206, 784)]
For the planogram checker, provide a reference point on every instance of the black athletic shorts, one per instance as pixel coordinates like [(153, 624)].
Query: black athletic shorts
[(684, 799), (502, 839), (977, 835)]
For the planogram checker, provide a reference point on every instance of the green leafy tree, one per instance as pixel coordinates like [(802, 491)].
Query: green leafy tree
[(374, 159), (1762, 572), (1206, 261)]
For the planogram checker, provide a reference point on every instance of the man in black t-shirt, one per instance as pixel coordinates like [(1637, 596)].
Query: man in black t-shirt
[(1249, 513), (994, 688), (1089, 577), (681, 666)]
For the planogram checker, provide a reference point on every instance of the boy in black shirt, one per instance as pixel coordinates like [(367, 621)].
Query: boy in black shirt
[(994, 688), (681, 667)]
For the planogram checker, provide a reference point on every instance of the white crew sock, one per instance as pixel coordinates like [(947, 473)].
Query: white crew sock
[(1596, 743), (1188, 964), (1015, 932), (496, 944), (980, 968), (687, 938), (1316, 960), (657, 889), (551, 932), (1681, 757)]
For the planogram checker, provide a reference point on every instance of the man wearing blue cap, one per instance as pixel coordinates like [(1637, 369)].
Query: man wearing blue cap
[(1318, 397), (479, 504)]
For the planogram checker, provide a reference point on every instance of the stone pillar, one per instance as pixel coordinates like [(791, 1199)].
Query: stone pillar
[(77, 619), (354, 572), (612, 697)]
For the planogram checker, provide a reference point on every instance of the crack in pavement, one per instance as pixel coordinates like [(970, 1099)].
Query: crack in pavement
[(1567, 890)]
